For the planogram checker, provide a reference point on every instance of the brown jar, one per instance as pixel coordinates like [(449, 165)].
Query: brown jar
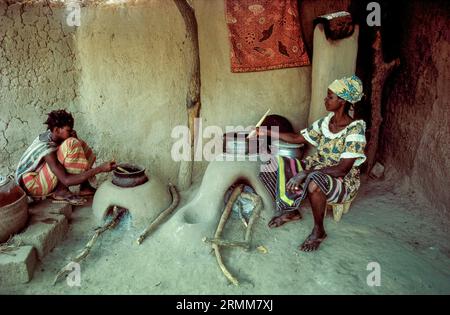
[(13, 208)]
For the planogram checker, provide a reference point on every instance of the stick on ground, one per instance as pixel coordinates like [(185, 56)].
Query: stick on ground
[(222, 242), (225, 215), (117, 214), (241, 215), (162, 215), (9, 247), (256, 200)]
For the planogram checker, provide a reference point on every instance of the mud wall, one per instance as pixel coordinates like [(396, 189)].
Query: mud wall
[(241, 98), (38, 73), (415, 138), (133, 82)]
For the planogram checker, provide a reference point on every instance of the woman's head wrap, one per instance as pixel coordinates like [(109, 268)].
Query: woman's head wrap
[(348, 88)]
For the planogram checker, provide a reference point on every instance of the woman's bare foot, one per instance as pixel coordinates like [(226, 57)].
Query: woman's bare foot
[(313, 241), (68, 198), (285, 218), (61, 192)]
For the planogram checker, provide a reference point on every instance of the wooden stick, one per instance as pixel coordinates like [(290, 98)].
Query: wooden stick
[(225, 215), (10, 246), (227, 211), (224, 269), (222, 242), (117, 214), (256, 210), (241, 215), (258, 124), (162, 215)]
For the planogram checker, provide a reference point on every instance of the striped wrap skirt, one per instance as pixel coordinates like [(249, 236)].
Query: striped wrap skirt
[(276, 173), (76, 157)]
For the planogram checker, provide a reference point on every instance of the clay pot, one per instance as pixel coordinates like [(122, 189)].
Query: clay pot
[(133, 176), (13, 209)]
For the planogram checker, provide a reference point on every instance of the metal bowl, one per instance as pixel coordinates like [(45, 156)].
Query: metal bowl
[(281, 148), (133, 176), (237, 143)]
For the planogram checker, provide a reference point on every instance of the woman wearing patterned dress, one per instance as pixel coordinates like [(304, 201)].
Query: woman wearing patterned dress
[(331, 174)]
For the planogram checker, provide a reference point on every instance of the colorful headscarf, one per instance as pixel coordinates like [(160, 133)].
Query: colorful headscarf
[(348, 88)]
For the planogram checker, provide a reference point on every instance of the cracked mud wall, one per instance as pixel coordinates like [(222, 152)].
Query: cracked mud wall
[(415, 137), (38, 73)]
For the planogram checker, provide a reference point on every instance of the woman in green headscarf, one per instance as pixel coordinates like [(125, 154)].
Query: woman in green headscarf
[(331, 174)]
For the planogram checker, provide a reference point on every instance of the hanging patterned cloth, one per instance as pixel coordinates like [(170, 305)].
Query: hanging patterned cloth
[(264, 35)]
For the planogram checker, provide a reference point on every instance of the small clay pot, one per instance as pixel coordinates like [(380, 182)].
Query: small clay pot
[(133, 176)]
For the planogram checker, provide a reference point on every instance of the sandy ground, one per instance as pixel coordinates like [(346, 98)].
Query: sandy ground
[(386, 225)]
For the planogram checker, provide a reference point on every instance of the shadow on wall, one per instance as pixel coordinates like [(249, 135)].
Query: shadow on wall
[(415, 137)]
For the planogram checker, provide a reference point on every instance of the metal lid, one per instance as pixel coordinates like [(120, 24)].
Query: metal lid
[(287, 145)]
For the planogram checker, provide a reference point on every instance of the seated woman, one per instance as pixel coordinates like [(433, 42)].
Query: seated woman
[(331, 175), (56, 160)]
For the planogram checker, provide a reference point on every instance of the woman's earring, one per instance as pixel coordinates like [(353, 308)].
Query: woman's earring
[(351, 111)]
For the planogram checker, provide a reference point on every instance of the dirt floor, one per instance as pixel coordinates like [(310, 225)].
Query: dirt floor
[(386, 225)]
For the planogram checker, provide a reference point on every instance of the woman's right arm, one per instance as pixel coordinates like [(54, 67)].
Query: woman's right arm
[(74, 179), (292, 137), (289, 137)]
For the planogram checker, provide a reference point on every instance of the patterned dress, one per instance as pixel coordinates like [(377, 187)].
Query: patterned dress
[(332, 147)]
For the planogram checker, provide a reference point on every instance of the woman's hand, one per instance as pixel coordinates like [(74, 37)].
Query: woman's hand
[(107, 166), (74, 134), (261, 132), (294, 183)]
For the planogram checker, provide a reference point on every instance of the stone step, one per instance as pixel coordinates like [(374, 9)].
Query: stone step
[(48, 208), (17, 266), (47, 227)]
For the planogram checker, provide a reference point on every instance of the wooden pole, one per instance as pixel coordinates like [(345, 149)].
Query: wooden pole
[(193, 103)]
